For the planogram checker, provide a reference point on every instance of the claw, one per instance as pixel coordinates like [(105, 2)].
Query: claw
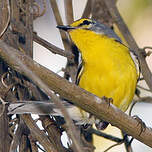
[(108, 100), (140, 122)]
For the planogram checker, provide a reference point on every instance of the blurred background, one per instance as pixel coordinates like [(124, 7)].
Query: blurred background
[(137, 15)]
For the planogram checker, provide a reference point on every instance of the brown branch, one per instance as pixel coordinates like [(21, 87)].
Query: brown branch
[(17, 136), (59, 22), (71, 128), (147, 99), (28, 46), (34, 147), (5, 139), (143, 88), (76, 95), (71, 67), (114, 145), (54, 133), (23, 144), (22, 28), (127, 142), (147, 47), (52, 47), (38, 134), (56, 12), (101, 13), (4, 16), (87, 10), (68, 11), (104, 135), (130, 40)]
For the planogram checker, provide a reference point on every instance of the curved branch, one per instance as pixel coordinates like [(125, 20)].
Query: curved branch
[(75, 94), (5, 10)]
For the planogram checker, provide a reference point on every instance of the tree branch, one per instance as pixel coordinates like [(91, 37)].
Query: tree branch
[(52, 47), (4, 16), (40, 136), (68, 11), (31, 74), (76, 95), (59, 22)]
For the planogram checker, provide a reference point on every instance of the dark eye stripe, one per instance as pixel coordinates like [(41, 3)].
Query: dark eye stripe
[(85, 22)]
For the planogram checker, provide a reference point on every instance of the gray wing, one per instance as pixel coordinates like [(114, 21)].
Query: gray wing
[(103, 29)]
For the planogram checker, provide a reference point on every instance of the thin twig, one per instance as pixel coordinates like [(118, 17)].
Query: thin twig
[(127, 142), (113, 146), (147, 47), (143, 88), (104, 135), (52, 47), (71, 66), (59, 22), (131, 107), (100, 13), (149, 52), (68, 11), (147, 99), (2, 79), (8, 19)]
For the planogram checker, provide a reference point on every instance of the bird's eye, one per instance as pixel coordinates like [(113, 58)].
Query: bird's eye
[(86, 22)]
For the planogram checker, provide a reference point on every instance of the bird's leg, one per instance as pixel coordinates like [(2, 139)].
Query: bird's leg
[(100, 124), (107, 100)]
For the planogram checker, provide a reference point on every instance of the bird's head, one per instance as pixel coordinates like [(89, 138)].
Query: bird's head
[(89, 25), (79, 24)]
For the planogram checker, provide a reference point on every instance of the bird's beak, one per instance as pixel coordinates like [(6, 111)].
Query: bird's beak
[(65, 28)]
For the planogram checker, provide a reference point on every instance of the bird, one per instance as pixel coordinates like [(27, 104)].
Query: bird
[(108, 69)]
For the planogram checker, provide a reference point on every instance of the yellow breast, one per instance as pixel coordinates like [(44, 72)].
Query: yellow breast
[(108, 67)]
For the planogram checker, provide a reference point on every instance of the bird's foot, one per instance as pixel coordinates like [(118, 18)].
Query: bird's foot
[(107, 100), (141, 123)]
